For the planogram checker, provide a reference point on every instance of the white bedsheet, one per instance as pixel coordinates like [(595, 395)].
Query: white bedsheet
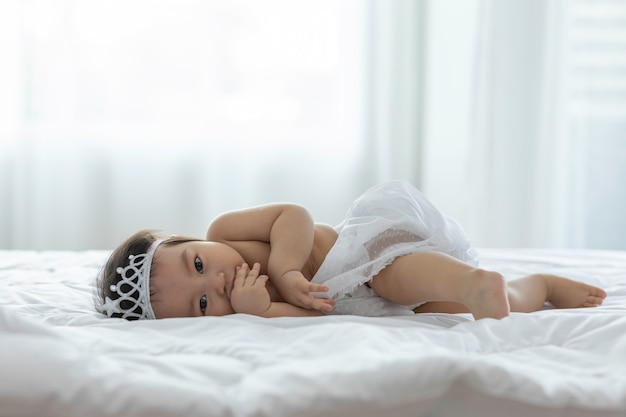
[(58, 357)]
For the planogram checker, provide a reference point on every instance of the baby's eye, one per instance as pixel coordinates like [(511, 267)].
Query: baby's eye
[(203, 304), (198, 264)]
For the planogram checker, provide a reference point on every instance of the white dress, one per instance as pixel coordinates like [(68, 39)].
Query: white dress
[(389, 220)]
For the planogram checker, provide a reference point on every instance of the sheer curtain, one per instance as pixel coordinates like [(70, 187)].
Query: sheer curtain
[(119, 115), (540, 159)]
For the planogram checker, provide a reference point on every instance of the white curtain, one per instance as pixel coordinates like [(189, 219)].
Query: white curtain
[(119, 115), (511, 162), (541, 158)]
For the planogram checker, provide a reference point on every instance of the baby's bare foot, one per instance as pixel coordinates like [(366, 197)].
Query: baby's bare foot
[(487, 297), (565, 293)]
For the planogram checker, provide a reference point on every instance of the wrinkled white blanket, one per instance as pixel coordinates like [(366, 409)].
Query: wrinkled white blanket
[(58, 357)]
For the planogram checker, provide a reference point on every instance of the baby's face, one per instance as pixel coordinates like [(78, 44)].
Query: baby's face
[(193, 279)]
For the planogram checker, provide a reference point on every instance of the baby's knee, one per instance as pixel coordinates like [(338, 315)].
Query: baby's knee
[(485, 273), (492, 279)]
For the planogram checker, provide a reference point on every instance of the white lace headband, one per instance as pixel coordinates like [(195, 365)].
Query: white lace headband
[(133, 287)]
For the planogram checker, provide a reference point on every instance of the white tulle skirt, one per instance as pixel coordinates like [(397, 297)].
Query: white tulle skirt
[(389, 220)]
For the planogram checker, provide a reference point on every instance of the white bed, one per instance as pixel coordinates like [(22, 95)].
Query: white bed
[(58, 357)]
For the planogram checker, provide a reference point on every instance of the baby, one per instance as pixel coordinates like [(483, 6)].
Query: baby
[(394, 254)]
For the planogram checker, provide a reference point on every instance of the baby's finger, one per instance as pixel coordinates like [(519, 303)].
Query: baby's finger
[(256, 268), (240, 275), (310, 301), (323, 304), (252, 274), (328, 301), (261, 280), (317, 288)]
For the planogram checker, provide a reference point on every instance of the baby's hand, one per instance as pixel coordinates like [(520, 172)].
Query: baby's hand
[(249, 294), (296, 290)]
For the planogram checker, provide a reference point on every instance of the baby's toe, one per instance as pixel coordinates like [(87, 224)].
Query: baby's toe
[(593, 301)]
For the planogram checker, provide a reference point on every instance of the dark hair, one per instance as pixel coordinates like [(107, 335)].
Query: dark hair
[(137, 244)]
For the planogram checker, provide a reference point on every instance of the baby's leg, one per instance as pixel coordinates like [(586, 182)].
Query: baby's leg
[(529, 294), (434, 276), (448, 285)]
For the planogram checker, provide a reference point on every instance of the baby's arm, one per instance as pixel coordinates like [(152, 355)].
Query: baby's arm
[(278, 309), (289, 230)]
